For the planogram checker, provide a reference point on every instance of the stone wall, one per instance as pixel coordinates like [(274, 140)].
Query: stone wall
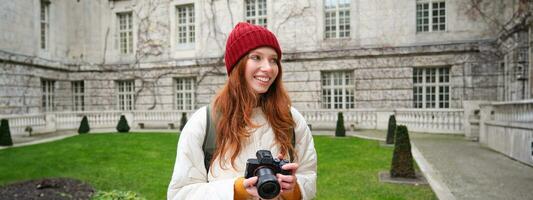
[(383, 81), (506, 127), (20, 86), (382, 51), (83, 32)]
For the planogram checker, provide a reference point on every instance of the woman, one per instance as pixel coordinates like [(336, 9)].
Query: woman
[(253, 113)]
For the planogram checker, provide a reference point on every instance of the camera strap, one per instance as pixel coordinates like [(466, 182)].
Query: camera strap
[(209, 144)]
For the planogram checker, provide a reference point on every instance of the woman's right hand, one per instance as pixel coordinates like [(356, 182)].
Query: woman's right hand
[(249, 185)]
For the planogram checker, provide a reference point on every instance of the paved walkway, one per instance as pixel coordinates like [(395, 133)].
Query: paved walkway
[(455, 168), (460, 169)]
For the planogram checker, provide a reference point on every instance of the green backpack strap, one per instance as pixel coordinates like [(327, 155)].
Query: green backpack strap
[(209, 144), (293, 142)]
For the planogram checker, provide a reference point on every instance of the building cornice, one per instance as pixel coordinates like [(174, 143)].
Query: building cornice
[(374, 52), (347, 53)]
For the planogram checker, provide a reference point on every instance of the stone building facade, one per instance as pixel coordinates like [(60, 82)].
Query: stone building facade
[(66, 55)]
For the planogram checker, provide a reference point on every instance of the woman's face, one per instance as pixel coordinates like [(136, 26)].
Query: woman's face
[(261, 69)]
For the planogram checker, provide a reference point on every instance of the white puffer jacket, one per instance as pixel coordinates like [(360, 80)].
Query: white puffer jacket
[(189, 179)]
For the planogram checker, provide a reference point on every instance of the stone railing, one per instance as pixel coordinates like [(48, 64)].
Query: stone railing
[(327, 119), (97, 119), (431, 120), (160, 115), (420, 120), (158, 118), (18, 123), (57, 121), (518, 111), (507, 127)]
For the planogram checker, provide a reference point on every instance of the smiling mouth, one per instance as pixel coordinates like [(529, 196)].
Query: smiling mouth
[(262, 79)]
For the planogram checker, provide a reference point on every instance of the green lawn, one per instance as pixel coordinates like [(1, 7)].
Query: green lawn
[(348, 169), (143, 163)]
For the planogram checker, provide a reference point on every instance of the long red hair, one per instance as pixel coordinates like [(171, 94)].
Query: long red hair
[(234, 105)]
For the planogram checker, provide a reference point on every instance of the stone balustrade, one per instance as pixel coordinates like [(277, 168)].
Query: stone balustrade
[(420, 120), (507, 127), (159, 115), (517, 111), (97, 119), (57, 121), (18, 123), (432, 120), (327, 119), (158, 118)]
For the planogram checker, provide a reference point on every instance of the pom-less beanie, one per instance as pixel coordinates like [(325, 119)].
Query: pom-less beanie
[(244, 38)]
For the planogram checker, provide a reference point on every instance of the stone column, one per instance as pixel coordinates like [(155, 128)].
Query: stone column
[(131, 119), (50, 122), (530, 54), (471, 118), (382, 121), (486, 111)]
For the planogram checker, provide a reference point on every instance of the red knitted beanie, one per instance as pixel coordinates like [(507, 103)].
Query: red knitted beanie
[(244, 38)]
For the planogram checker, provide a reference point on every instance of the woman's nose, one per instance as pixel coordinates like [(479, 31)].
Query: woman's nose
[(266, 65)]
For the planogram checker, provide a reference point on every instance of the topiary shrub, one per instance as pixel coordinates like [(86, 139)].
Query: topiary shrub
[(84, 126), (183, 120), (340, 131), (5, 134), (391, 130), (122, 125), (402, 159)]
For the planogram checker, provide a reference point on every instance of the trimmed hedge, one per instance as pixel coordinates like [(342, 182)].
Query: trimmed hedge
[(5, 133), (122, 125), (340, 131), (183, 120), (391, 130), (84, 126), (402, 159)]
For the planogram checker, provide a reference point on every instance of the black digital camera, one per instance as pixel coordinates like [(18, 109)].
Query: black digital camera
[(265, 167)]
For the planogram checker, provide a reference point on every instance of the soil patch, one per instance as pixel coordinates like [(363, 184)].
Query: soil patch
[(47, 189)]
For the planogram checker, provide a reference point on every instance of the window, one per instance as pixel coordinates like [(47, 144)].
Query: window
[(45, 24), (338, 90), (48, 95), (126, 94), (523, 56), (256, 12), (430, 15), (125, 32), (337, 18), (78, 95), (185, 24), (521, 67), (185, 93), (431, 87)]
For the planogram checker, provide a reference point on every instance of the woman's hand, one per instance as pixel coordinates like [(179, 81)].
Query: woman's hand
[(287, 182), (249, 185)]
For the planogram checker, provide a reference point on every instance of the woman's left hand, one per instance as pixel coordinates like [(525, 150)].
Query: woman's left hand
[(287, 182)]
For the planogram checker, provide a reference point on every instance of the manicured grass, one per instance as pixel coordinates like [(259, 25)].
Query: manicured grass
[(143, 163), (140, 162), (348, 169)]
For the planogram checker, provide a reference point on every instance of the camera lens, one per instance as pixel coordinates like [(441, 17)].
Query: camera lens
[(267, 183), (269, 188)]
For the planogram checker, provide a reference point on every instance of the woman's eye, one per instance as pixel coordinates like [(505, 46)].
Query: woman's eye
[(255, 57), (274, 61)]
